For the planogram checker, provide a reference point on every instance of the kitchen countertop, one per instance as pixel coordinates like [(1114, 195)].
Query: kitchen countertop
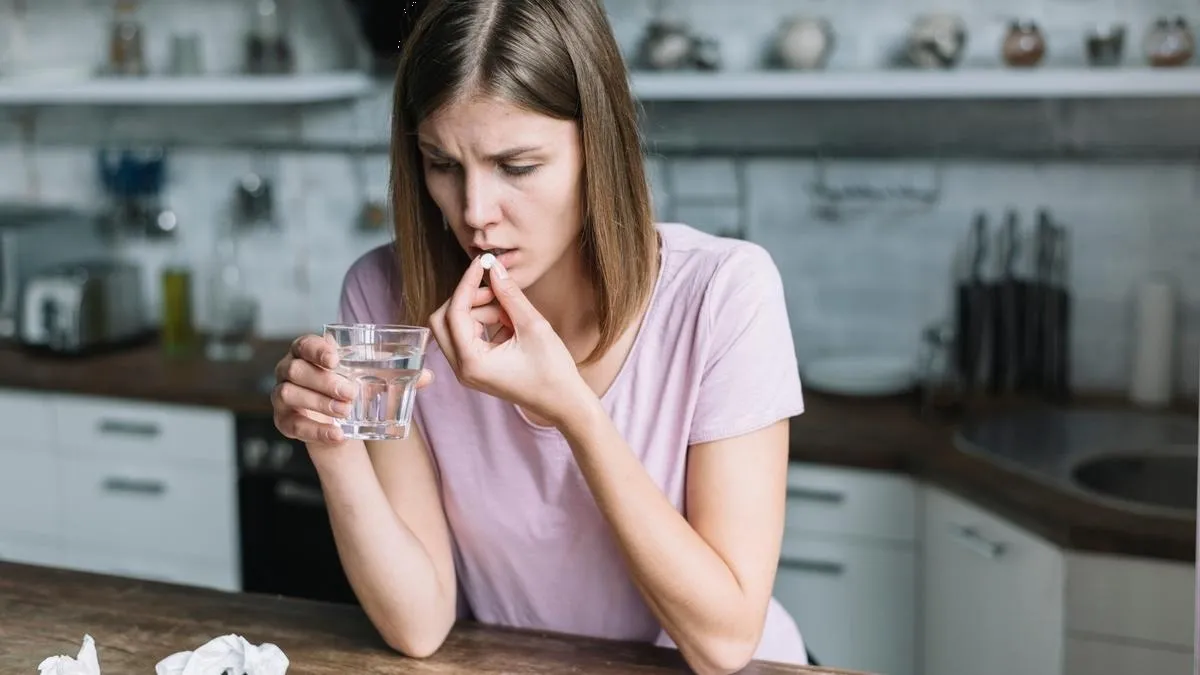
[(45, 612), (883, 434)]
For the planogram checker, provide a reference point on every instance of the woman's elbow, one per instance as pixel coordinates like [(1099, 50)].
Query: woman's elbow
[(721, 656), (419, 643)]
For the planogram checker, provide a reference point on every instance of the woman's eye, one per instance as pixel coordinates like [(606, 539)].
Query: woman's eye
[(442, 166), (523, 170)]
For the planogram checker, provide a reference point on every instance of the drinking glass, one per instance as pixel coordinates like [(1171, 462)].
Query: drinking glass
[(382, 363)]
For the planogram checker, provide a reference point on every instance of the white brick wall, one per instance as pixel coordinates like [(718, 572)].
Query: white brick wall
[(870, 281)]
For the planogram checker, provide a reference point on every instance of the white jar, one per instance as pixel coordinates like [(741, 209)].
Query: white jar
[(804, 43)]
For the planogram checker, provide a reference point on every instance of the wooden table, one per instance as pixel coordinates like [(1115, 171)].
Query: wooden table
[(45, 612)]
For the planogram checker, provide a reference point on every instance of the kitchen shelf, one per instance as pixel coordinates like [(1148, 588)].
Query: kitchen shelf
[(960, 84), (206, 90)]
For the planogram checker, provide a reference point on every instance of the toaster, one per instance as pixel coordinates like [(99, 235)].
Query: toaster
[(81, 307)]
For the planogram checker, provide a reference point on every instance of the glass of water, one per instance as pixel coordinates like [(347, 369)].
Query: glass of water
[(382, 363)]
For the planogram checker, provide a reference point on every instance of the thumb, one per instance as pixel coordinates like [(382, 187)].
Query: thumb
[(512, 299)]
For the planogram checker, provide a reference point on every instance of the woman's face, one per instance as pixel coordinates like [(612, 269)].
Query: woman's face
[(507, 180)]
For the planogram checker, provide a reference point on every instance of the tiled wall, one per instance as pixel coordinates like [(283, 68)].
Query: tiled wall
[(863, 277)]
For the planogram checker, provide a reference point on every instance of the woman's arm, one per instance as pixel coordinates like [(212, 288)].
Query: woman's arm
[(707, 578), (392, 538)]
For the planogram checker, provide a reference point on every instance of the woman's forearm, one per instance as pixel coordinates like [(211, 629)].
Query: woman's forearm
[(391, 571), (692, 591)]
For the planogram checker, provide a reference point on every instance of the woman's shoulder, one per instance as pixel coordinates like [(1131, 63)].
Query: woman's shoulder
[(705, 263), (369, 287)]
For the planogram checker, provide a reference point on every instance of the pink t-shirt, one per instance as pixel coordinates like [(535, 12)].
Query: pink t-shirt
[(713, 359)]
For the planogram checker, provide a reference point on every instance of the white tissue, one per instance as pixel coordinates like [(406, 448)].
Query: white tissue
[(228, 653), (85, 663)]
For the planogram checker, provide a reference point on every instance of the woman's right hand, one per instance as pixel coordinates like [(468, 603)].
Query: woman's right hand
[(308, 394)]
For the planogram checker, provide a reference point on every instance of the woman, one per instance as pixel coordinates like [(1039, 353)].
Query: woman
[(602, 432)]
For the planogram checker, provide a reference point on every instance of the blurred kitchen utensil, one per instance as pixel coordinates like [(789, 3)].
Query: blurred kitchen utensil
[(1008, 299), (973, 307), (861, 374), (1105, 45), (1058, 318), (268, 48)]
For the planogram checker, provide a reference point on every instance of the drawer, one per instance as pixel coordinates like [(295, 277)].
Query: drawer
[(149, 507), (154, 567), (854, 602), (29, 494), (26, 420), (98, 427), (831, 500), (1088, 656)]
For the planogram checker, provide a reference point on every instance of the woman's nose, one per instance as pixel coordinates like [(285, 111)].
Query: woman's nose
[(481, 202)]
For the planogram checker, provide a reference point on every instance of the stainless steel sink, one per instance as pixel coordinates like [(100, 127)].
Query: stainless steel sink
[(1142, 462), (1163, 478)]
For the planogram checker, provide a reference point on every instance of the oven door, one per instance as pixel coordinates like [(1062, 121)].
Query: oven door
[(286, 539)]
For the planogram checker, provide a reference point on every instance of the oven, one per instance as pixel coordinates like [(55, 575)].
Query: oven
[(287, 545)]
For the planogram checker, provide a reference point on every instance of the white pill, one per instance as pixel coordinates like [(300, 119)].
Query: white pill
[(488, 260)]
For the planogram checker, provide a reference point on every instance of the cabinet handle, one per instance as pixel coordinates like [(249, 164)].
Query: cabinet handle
[(816, 495), (149, 488), (291, 492), (127, 428), (969, 537), (814, 566)]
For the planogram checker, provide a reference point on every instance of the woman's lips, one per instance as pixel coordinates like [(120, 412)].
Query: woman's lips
[(506, 256)]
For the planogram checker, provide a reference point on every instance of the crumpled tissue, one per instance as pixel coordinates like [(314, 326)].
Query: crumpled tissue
[(86, 663), (226, 654)]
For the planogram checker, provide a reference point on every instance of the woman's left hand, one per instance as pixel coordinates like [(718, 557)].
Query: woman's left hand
[(524, 362)]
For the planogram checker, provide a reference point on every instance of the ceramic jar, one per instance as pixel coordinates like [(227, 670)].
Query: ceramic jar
[(1024, 45), (804, 43), (1169, 43), (936, 41)]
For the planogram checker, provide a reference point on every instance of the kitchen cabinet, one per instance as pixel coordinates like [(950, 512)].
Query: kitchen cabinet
[(997, 599), (992, 593), (131, 488), (847, 569)]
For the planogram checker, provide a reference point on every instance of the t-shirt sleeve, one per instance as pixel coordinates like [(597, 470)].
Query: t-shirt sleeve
[(749, 377), (368, 289)]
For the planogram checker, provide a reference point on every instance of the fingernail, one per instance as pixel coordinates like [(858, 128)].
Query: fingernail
[(499, 271), (344, 391), (328, 360), (332, 434), (341, 409)]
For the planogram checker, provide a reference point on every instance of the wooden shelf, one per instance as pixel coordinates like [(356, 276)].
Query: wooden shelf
[(961, 84), (165, 91)]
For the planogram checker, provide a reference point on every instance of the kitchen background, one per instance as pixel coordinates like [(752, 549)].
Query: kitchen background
[(901, 528), (864, 276)]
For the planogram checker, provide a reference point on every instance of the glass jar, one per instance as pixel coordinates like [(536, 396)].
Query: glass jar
[(233, 313), (1024, 45), (1169, 43), (126, 42), (178, 330)]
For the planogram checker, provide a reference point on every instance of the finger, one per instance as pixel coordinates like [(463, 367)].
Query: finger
[(462, 329), (483, 296), (424, 379), (315, 349), (522, 312), (303, 428), (305, 375), (488, 315), (292, 396), (437, 325)]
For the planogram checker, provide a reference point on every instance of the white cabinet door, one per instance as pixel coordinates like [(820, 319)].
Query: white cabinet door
[(833, 500), (853, 602), (993, 594), (29, 494)]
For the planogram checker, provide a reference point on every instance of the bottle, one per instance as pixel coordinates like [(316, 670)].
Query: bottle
[(1152, 378), (234, 313), (126, 48), (178, 329)]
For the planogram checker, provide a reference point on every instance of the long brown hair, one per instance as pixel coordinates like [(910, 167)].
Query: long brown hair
[(553, 57)]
